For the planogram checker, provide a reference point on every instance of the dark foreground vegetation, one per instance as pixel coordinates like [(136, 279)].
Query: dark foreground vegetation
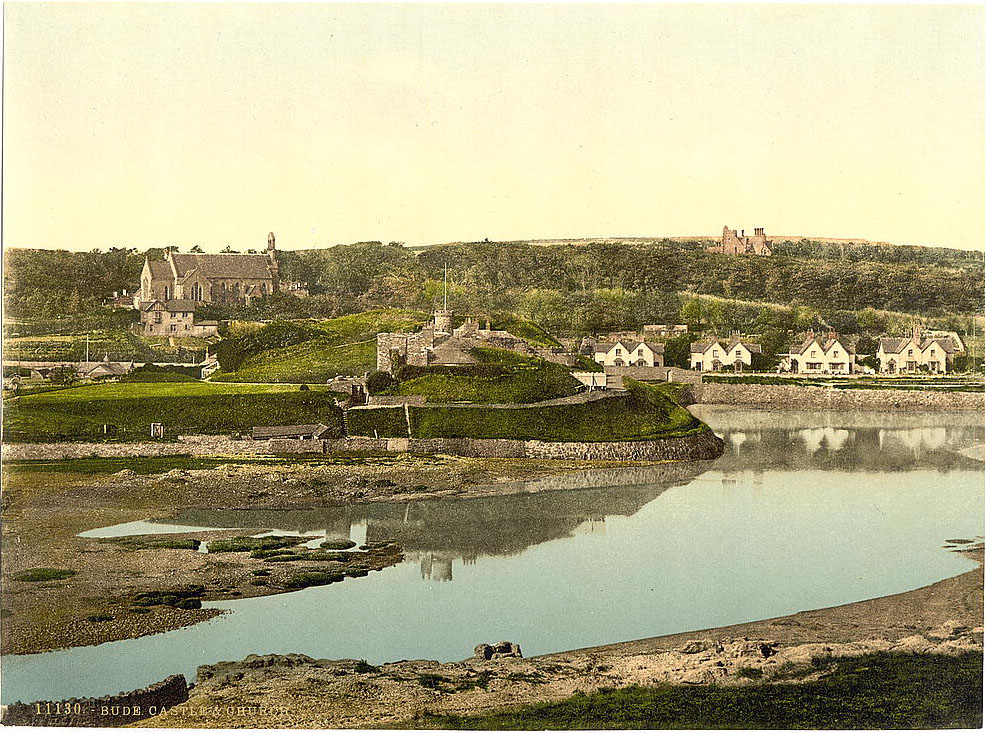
[(875, 691)]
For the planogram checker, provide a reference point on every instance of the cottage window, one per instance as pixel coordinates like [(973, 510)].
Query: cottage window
[(158, 317), (909, 352), (715, 352), (174, 327), (618, 352), (640, 352)]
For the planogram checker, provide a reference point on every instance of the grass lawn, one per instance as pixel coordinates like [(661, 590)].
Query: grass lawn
[(644, 412), (79, 413), (881, 691), (501, 377), (348, 346)]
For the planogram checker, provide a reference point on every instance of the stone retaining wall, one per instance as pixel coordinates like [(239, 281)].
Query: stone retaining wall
[(823, 398), (97, 712), (693, 447)]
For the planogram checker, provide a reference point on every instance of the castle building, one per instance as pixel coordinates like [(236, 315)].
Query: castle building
[(734, 243)]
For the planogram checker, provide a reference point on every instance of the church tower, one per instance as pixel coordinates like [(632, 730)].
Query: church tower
[(272, 254)]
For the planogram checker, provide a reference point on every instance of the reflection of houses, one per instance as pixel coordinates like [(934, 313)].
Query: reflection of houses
[(915, 353), (816, 356), (714, 356), (436, 567), (629, 353)]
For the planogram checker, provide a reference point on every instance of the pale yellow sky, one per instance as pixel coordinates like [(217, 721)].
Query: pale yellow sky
[(141, 125)]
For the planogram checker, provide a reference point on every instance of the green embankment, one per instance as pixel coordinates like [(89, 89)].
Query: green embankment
[(345, 345), (879, 691), (499, 377), (80, 413), (643, 412)]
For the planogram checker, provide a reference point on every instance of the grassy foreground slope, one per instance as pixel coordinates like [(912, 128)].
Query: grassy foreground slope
[(880, 691), (345, 345), (80, 413), (644, 412)]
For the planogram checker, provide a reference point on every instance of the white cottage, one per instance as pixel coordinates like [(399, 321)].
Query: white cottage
[(821, 356), (915, 353), (714, 356), (629, 353)]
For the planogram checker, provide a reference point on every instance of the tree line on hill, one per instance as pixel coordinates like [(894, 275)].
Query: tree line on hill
[(569, 288)]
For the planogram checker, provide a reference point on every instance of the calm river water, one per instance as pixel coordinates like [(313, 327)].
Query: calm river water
[(805, 510)]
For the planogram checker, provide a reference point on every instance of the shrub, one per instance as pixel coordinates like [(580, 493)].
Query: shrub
[(752, 673), (36, 575), (188, 604), (97, 618), (378, 381), (308, 578), (248, 544), (337, 544)]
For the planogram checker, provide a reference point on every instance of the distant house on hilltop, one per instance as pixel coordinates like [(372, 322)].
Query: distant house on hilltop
[(715, 356), (734, 243), (915, 353), (815, 355)]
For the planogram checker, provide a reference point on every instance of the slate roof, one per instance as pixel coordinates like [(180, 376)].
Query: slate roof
[(700, 347), (753, 348), (224, 265), (172, 306), (604, 347), (159, 269)]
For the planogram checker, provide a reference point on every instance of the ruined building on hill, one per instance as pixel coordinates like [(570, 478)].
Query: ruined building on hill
[(735, 243), (439, 342)]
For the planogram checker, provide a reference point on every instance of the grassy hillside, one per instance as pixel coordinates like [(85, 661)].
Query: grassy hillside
[(644, 412), (345, 345), (499, 377), (79, 413)]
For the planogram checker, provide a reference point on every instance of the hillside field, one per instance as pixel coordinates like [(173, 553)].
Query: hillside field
[(345, 345), (79, 413)]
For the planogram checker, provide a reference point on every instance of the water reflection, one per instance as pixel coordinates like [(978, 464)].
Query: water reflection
[(804, 510)]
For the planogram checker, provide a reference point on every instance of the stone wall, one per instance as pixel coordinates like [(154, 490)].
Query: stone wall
[(408, 399), (823, 398), (109, 711), (197, 445)]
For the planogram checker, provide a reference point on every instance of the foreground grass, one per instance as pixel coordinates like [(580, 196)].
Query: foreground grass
[(184, 407), (874, 691)]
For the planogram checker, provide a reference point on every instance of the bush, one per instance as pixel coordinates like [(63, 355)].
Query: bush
[(99, 618), (378, 382), (308, 578), (249, 544), (337, 544), (36, 575)]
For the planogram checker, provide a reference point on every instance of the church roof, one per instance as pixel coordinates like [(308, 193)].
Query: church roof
[(159, 268), (224, 265)]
